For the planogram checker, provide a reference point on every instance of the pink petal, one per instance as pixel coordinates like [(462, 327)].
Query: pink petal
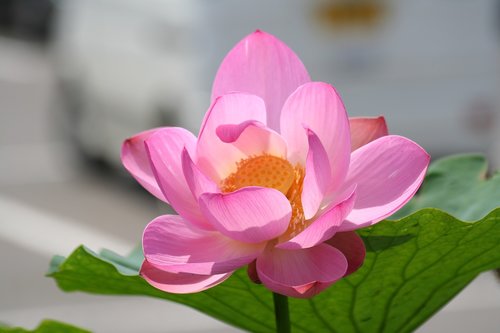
[(365, 130), (179, 283), (262, 65), (318, 107), (173, 244), (388, 172), (197, 181), (251, 214), (252, 138), (135, 159), (216, 158), (301, 273), (165, 150), (352, 246), (323, 227), (337, 197), (318, 176), (231, 133)]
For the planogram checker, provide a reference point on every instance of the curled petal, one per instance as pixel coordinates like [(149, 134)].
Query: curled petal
[(318, 176), (318, 107), (251, 214), (231, 133), (252, 138), (216, 158), (388, 172), (262, 65), (301, 273), (135, 159), (365, 130), (165, 150), (323, 227), (173, 244), (353, 248), (179, 283), (197, 181)]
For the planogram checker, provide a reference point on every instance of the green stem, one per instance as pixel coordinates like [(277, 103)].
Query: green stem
[(281, 312)]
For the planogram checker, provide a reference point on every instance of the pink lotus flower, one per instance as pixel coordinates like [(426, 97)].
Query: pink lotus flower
[(277, 179)]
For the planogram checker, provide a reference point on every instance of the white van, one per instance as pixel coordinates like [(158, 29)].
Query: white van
[(431, 67)]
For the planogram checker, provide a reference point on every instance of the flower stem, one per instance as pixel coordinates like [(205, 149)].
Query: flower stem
[(281, 312)]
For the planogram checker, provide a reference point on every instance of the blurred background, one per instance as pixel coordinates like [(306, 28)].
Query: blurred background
[(79, 76)]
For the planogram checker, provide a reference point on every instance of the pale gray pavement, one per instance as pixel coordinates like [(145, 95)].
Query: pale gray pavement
[(50, 204)]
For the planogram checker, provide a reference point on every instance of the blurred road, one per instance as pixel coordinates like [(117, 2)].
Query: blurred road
[(50, 204)]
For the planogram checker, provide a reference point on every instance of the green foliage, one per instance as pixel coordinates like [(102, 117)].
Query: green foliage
[(413, 266), (457, 185), (87, 271), (46, 326)]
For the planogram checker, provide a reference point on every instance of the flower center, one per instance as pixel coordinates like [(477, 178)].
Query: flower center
[(273, 172)]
